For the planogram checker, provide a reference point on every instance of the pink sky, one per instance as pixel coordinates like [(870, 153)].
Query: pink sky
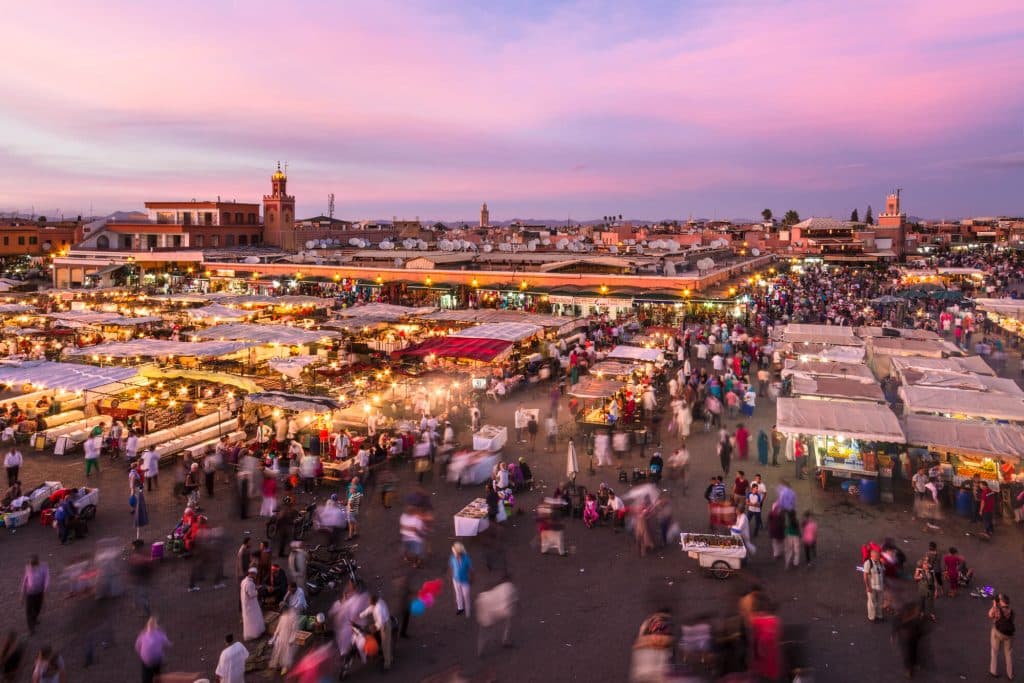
[(665, 109)]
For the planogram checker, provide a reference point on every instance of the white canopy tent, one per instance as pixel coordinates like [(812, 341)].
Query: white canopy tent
[(265, 334), (964, 364), (968, 436), (388, 312), (835, 335), (635, 353), (66, 376), (162, 348), (853, 419), (511, 332), (827, 368), (592, 387), (218, 313), (291, 366), (299, 403), (986, 405)]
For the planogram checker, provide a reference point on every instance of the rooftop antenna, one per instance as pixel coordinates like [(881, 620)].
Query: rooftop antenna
[(330, 207)]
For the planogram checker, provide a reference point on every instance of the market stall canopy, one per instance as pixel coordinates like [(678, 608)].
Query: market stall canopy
[(291, 366), (960, 380), (895, 346), (979, 404), (835, 335), (456, 347), (66, 376), (856, 420), (592, 387), (161, 348), (900, 333), (386, 312), (218, 312), (826, 368), (824, 352), (299, 403), (510, 332), (635, 353), (961, 364), (965, 436), (15, 308), (472, 315), (265, 334), (97, 318), (356, 323), (612, 368), (1009, 308), (153, 372), (837, 387), (179, 298)]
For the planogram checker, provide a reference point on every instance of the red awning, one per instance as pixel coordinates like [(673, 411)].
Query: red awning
[(457, 347)]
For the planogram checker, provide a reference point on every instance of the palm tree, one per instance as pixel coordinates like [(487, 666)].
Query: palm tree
[(766, 215), (791, 218)]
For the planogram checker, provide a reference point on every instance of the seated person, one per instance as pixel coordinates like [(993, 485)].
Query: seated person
[(13, 493), (276, 586)]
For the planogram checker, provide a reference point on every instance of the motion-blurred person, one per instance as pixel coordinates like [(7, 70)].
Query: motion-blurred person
[(34, 584), (495, 608), (283, 655), (150, 646), (12, 652), (908, 631), (379, 618)]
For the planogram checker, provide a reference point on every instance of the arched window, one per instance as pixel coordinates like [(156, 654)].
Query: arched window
[(103, 242), (243, 240)]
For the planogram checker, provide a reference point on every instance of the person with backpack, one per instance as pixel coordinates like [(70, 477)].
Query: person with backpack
[(1001, 637)]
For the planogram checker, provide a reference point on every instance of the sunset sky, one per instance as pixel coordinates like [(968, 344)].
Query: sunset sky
[(542, 109)]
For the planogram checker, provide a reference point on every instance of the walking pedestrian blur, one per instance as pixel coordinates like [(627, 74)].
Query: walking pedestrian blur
[(495, 609), (34, 584), (150, 646), (12, 463)]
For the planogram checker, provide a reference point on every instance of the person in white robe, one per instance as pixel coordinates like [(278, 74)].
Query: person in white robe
[(252, 616), (231, 664)]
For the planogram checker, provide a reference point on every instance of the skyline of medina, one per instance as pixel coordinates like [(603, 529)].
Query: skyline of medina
[(542, 109)]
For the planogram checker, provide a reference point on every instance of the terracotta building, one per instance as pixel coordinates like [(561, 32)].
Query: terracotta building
[(21, 238)]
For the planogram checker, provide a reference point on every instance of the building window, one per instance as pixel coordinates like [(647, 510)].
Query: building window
[(151, 241), (176, 240), (31, 239), (126, 241), (238, 218), (225, 218), (21, 240), (252, 219), (214, 240), (208, 218), (102, 242), (229, 240), (242, 240), (7, 240), (198, 239), (254, 240)]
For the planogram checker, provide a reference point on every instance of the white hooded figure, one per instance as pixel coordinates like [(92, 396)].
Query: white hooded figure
[(252, 616)]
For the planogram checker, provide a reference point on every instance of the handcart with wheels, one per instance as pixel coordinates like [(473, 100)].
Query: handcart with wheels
[(718, 554)]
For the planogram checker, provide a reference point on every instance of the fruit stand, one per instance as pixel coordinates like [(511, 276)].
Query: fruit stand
[(720, 555)]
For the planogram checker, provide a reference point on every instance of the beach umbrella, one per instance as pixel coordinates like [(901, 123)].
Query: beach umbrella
[(572, 463), (140, 516)]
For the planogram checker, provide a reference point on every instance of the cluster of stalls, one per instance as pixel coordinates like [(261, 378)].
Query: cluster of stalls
[(875, 404)]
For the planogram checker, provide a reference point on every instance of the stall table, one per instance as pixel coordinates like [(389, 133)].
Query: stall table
[(490, 438), (472, 467), (472, 519)]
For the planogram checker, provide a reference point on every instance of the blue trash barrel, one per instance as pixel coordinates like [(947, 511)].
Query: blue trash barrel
[(965, 503), (869, 491)]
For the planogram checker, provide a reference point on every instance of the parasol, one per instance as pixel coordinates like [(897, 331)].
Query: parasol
[(572, 463)]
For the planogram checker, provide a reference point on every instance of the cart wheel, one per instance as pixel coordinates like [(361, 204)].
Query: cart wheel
[(720, 569), (271, 527), (88, 512)]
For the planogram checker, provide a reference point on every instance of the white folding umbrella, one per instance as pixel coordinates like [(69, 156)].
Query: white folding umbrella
[(572, 463)]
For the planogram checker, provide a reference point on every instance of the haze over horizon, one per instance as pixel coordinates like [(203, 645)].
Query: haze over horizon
[(543, 109)]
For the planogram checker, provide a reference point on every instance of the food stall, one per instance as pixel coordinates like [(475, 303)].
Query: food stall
[(995, 406), (472, 519), (490, 438), (846, 439)]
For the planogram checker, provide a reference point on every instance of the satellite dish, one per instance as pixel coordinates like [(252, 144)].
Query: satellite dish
[(354, 241), (252, 259), (614, 249), (639, 249), (421, 245), (546, 242), (311, 244), (755, 252), (386, 245), (399, 263), (488, 248)]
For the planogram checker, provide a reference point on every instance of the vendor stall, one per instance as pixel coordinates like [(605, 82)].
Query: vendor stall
[(490, 438), (962, 403), (967, 448), (472, 467), (636, 354), (472, 519)]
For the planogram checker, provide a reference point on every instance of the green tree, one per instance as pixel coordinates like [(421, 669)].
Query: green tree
[(868, 218), (41, 219), (766, 215), (854, 216), (791, 218)]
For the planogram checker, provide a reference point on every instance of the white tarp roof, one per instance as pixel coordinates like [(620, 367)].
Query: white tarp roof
[(291, 366), (487, 315), (836, 335), (858, 420), (824, 352), (511, 332), (904, 333), (388, 312), (612, 368), (299, 403), (827, 368), (66, 376), (963, 364), (837, 387), (1010, 308), (160, 348), (965, 435), (637, 353), (15, 308), (264, 300), (960, 380), (981, 404), (893, 346), (264, 334), (218, 312), (592, 387)]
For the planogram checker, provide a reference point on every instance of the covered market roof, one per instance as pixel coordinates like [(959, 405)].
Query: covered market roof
[(838, 387), (592, 387), (510, 332), (975, 364), (980, 404), (636, 353), (264, 334), (853, 419), (827, 368), (299, 403), (835, 335), (66, 376), (966, 436), (160, 348), (457, 347), (218, 312)]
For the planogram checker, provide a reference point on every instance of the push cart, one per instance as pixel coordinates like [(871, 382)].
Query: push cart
[(718, 554), (85, 502)]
